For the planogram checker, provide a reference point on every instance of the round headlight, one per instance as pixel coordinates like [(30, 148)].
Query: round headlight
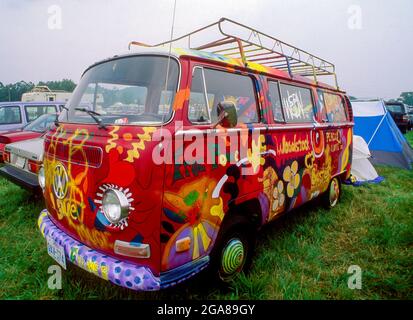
[(41, 177), (115, 205)]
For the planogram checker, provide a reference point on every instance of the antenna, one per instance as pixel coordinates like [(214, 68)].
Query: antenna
[(170, 45), (169, 57)]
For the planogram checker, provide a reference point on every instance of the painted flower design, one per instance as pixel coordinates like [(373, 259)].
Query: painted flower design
[(292, 178), (278, 196)]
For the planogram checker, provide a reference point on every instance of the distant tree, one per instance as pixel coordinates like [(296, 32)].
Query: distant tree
[(65, 85), (407, 98), (13, 92)]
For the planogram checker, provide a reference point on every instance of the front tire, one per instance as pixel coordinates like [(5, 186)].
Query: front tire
[(232, 252)]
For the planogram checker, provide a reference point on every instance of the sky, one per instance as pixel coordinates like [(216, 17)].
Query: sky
[(369, 41)]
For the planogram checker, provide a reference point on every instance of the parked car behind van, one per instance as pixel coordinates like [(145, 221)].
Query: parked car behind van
[(399, 113), (22, 163), (32, 130), (15, 115)]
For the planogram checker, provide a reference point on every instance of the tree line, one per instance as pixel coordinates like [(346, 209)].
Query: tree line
[(14, 91)]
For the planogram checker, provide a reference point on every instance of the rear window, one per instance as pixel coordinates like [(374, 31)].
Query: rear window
[(397, 108), (10, 115), (297, 103), (33, 112), (210, 87), (334, 107)]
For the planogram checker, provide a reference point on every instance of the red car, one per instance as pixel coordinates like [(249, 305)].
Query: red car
[(33, 130)]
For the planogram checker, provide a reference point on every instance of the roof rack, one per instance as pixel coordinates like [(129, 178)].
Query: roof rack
[(239, 41)]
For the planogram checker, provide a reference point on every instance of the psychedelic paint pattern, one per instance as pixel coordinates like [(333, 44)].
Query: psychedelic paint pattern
[(177, 209)]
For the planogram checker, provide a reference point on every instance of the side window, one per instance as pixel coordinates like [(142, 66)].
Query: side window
[(297, 103), (10, 115), (237, 88), (274, 92), (221, 86), (33, 112), (335, 109)]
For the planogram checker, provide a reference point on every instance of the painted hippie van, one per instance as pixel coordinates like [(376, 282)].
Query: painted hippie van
[(187, 153)]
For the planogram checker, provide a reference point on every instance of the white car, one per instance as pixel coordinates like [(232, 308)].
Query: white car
[(24, 162)]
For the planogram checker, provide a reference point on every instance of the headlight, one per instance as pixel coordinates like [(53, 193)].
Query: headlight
[(41, 177), (115, 205)]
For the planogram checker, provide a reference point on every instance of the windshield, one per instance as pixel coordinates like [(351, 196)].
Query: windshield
[(41, 124), (397, 108), (129, 90)]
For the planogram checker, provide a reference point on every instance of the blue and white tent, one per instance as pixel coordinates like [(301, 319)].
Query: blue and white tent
[(387, 144)]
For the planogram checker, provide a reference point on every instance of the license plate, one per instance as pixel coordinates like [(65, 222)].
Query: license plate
[(57, 252), (20, 162)]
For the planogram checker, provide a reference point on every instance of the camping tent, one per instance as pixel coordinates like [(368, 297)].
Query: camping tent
[(387, 144), (361, 168)]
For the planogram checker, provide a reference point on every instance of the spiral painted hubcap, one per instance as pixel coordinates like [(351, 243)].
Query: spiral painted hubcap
[(334, 192), (233, 257)]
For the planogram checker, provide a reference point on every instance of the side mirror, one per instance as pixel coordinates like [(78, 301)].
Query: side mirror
[(227, 114)]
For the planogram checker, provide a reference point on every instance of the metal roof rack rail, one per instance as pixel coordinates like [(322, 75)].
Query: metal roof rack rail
[(239, 41)]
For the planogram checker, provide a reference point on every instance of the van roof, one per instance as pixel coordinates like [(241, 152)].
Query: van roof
[(232, 62)]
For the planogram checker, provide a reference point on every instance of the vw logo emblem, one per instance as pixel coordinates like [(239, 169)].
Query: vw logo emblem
[(60, 181)]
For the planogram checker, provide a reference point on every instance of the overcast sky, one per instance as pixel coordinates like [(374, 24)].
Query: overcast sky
[(373, 56)]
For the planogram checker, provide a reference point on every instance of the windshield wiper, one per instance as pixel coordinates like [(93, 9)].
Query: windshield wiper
[(94, 115)]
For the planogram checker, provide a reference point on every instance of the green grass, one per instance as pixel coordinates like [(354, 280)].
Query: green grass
[(304, 255)]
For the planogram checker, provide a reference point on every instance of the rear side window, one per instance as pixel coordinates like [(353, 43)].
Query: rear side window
[(33, 112), (210, 87), (297, 103), (335, 109), (275, 98), (321, 106), (10, 115)]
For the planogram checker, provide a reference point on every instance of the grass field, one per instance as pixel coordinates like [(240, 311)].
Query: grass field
[(304, 255)]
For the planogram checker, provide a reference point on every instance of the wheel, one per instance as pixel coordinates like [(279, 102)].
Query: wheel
[(232, 252), (333, 193)]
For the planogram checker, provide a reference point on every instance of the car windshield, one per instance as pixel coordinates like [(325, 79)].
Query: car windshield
[(41, 124), (397, 108), (129, 90)]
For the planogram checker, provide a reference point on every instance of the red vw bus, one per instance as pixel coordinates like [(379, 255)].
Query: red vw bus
[(170, 161)]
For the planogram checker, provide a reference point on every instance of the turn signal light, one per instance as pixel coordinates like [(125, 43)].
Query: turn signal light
[(132, 249), (183, 244)]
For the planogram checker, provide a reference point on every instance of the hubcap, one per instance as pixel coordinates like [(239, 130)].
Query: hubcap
[(233, 258), (334, 192)]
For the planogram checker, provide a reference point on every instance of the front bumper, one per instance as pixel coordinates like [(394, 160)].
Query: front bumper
[(20, 177), (121, 273)]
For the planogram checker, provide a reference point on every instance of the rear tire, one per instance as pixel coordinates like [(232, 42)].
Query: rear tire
[(333, 194)]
